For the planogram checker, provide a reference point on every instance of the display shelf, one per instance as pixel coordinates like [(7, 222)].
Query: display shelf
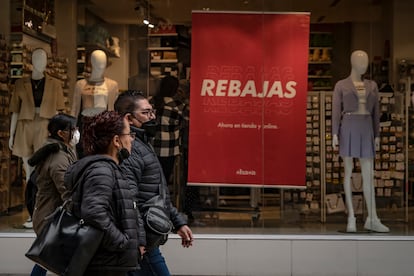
[(4, 126), (163, 51), (320, 61), (389, 164), (34, 18), (309, 199)]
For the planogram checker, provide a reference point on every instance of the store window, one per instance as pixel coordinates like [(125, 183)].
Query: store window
[(320, 201)]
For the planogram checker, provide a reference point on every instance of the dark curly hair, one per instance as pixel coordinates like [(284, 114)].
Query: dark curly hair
[(98, 131)]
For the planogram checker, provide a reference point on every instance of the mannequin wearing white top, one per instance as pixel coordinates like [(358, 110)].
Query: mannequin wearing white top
[(359, 63), (39, 62), (97, 93)]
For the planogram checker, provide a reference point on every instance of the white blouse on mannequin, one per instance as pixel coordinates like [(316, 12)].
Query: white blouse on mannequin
[(97, 93)]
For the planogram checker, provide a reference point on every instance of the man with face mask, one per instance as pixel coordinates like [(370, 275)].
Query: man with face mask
[(146, 178)]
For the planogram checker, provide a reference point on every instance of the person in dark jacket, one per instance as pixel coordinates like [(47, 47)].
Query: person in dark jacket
[(103, 198), (51, 162), (146, 178)]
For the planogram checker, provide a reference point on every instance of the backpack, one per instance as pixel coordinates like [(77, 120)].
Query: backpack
[(30, 192)]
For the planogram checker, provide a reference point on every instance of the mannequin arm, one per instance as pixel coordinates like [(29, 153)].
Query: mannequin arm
[(377, 143), (13, 124), (335, 142)]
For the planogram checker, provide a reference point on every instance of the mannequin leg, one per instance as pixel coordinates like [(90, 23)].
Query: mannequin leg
[(348, 166), (372, 223), (28, 170), (254, 197)]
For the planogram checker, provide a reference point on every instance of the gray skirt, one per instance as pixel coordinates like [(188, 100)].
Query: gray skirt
[(356, 136)]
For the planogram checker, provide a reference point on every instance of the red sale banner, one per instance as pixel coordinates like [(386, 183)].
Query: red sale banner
[(248, 99)]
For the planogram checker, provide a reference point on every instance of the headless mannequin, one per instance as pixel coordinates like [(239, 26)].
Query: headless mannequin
[(144, 81), (39, 62), (97, 93), (359, 63)]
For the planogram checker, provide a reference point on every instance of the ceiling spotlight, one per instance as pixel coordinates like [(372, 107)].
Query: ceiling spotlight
[(145, 21), (151, 26)]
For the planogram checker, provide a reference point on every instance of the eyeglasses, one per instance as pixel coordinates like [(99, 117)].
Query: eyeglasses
[(148, 112), (132, 134)]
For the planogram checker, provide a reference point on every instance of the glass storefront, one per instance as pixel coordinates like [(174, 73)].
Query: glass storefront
[(141, 54)]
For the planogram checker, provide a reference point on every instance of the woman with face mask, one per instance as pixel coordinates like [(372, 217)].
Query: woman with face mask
[(51, 162), (102, 197)]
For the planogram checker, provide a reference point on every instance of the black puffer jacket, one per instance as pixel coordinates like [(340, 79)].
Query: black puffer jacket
[(144, 173), (104, 200)]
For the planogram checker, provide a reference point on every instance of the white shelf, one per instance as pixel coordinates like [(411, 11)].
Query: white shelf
[(320, 62), (164, 61), (319, 77), (164, 34), (162, 48)]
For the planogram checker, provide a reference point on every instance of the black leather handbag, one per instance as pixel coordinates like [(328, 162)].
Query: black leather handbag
[(66, 244)]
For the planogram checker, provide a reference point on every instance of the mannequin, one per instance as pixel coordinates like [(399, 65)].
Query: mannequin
[(144, 81), (97, 93), (34, 101), (355, 128)]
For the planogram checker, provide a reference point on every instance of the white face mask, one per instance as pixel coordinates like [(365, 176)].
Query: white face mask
[(76, 137)]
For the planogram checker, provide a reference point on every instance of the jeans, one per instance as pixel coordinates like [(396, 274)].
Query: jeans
[(152, 264), (38, 271)]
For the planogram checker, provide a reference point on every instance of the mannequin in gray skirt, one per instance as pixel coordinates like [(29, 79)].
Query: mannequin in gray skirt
[(355, 128)]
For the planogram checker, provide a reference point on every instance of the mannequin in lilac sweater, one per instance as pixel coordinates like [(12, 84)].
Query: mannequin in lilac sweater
[(355, 130)]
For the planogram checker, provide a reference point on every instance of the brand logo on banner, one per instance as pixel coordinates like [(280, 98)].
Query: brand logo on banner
[(248, 99)]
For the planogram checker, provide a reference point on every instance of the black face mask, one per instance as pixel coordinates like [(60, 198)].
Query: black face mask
[(150, 127), (123, 154)]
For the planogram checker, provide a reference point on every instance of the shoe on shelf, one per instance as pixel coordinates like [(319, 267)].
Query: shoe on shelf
[(375, 225), (28, 223), (351, 226)]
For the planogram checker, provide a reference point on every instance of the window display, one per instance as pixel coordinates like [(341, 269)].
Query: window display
[(327, 57)]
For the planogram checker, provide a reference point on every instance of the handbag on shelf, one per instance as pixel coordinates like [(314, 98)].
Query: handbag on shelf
[(356, 183), (334, 203), (357, 204), (66, 245)]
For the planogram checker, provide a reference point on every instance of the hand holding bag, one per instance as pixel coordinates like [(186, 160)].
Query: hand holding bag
[(66, 244)]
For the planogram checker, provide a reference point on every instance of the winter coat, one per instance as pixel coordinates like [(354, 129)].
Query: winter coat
[(103, 199), (51, 162), (145, 174)]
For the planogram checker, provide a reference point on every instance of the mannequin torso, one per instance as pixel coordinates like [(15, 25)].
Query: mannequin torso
[(144, 81)]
